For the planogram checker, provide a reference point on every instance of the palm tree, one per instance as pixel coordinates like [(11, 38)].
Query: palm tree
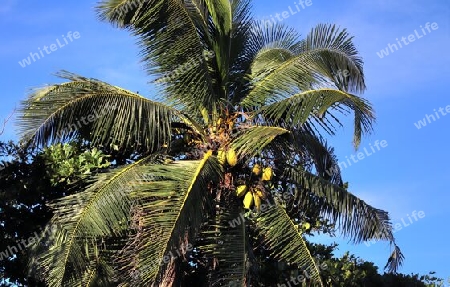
[(239, 98)]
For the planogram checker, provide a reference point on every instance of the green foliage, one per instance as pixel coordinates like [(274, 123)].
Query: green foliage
[(65, 163), (229, 246), (350, 270), (29, 180)]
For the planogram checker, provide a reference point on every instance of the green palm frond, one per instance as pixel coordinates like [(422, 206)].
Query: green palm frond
[(221, 15), (284, 238), (99, 274), (319, 61), (186, 70), (264, 38), (315, 150), (226, 240), (317, 106), (101, 113), (269, 59), (174, 201), (252, 141), (332, 52), (321, 154), (81, 219), (355, 218), (101, 271), (276, 71), (239, 58), (302, 147), (270, 47), (222, 19)]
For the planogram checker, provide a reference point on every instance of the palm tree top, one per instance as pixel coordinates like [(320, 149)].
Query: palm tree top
[(236, 94)]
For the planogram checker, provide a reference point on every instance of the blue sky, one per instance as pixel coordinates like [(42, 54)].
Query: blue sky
[(410, 174)]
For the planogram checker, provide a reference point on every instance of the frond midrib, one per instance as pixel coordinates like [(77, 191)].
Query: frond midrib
[(183, 204), (302, 241), (91, 202), (90, 277)]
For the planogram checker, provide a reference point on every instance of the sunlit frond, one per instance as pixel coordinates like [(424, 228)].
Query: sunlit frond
[(174, 201), (327, 58), (284, 238), (186, 70), (103, 114), (81, 219), (335, 56)]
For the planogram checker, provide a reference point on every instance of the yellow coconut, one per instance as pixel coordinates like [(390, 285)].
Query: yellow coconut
[(248, 200), (256, 169), (306, 225), (267, 174), (257, 201), (231, 157), (259, 193), (221, 156), (241, 190)]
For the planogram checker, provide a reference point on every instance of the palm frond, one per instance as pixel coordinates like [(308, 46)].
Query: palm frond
[(185, 70), (335, 56), (227, 245), (70, 242), (276, 71), (222, 20), (316, 150), (252, 141), (240, 60), (326, 162), (174, 201), (302, 147), (284, 238), (103, 114), (327, 58), (265, 37), (356, 219), (221, 15), (269, 59), (395, 260), (99, 274), (271, 46), (319, 106)]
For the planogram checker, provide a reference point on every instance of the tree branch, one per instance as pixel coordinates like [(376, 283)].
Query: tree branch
[(6, 121)]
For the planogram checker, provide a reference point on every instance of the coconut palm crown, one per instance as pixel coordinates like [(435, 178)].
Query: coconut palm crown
[(238, 133)]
